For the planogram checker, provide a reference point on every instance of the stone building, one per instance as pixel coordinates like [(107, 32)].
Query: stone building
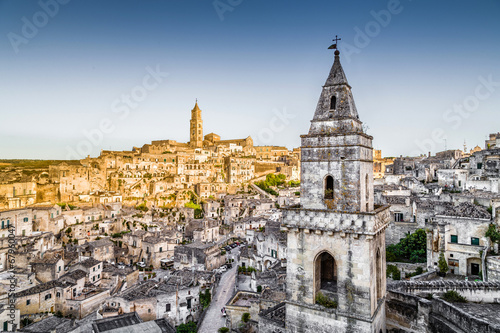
[(459, 232), (336, 237), (493, 141), (48, 269), (198, 256)]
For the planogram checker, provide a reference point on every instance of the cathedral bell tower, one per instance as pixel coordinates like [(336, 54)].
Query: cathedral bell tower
[(336, 238), (196, 128)]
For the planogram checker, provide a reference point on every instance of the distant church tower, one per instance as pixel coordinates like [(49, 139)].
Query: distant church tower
[(336, 238), (196, 128)]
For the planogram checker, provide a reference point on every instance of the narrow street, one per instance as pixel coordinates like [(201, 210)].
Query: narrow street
[(214, 319)]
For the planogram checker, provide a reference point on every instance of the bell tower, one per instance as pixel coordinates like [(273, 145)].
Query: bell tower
[(196, 128), (336, 238)]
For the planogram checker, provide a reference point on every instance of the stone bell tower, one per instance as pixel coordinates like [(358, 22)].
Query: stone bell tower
[(336, 238), (196, 128)]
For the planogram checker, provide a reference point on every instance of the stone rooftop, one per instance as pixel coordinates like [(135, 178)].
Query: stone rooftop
[(244, 298), (100, 243), (43, 287), (51, 324), (90, 262), (467, 209), (108, 268), (199, 245), (75, 275), (117, 322), (486, 312), (153, 239)]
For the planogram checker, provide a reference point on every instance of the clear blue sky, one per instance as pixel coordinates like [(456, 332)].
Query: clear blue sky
[(244, 60)]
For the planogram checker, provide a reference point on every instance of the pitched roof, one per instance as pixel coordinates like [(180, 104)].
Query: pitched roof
[(116, 322), (43, 287), (90, 262)]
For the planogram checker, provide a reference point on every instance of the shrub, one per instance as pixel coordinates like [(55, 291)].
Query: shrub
[(259, 289), (453, 296), (223, 330), (442, 264), (325, 301), (142, 207), (245, 317), (393, 272), (187, 328), (205, 298)]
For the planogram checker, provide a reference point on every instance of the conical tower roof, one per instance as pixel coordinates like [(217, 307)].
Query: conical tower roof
[(336, 111), (337, 75)]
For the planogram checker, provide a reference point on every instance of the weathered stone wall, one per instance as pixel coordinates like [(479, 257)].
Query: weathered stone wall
[(314, 318), (486, 292), (81, 308), (446, 318), (398, 230), (406, 268), (493, 265), (406, 313)]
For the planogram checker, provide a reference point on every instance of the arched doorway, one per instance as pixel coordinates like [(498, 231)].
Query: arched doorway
[(325, 275)]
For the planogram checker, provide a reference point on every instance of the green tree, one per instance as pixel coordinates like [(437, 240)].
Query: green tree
[(493, 234), (190, 327), (205, 298), (442, 264), (412, 248), (223, 330)]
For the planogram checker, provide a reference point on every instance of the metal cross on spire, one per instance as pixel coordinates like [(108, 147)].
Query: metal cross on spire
[(334, 46)]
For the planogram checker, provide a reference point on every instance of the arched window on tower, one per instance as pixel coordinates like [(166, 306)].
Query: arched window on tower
[(329, 187), (333, 103), (325, 275)]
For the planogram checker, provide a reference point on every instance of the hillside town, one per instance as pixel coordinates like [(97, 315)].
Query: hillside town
[(220, 235)]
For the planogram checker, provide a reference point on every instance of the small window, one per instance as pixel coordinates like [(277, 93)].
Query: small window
[(333, 103), (474, 241), (329, 187), (480, 165), (398, 217), (167, 308), (28, 302), (58, 295), (189, 303), (149, 310), (454, 239)]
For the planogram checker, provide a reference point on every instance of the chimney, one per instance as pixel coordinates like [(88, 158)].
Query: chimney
[(429, 154)]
